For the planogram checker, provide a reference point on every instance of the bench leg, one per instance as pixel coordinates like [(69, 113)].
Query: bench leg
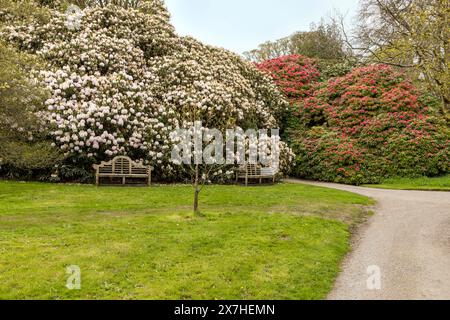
[(246, 181), (260, 180), (97, 180), (123, 180)]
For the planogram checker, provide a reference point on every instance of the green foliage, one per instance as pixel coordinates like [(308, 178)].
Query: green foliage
[(322, 42), (23, 143), (335, 68), (22, 11), (39, 155), (74, 172), (19, 96)]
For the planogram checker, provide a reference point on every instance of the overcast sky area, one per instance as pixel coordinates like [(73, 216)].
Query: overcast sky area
[(241, 25)]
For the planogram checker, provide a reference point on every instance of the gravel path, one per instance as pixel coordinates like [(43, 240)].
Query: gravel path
[(407, 240)]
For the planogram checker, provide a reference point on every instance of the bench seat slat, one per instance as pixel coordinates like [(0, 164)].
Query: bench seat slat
[(123, 175), (257, 176)]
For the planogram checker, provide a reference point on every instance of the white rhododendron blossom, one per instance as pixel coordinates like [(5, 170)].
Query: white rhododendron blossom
[(123, 81)]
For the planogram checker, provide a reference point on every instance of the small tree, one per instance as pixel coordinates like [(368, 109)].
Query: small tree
[(209, 163), (202, 163)]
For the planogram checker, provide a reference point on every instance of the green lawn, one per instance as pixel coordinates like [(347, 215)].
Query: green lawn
[(437, 184), (276, 242)]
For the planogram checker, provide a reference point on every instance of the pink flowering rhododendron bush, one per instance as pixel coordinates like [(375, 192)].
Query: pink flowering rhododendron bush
[(369, 125), (123, 80), (293, 74)]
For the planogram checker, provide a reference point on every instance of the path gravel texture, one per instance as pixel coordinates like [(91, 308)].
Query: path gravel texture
[(407, 241)]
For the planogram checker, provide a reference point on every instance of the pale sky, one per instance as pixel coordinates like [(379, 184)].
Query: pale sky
[(241, 25)]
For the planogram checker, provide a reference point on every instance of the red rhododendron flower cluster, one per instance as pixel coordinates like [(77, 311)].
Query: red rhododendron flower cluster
[(294, 75), (369, 125)]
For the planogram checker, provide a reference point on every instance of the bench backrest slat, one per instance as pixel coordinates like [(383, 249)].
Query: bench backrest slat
[(106, 169), (253, 169), (139, 170), (122, 165)]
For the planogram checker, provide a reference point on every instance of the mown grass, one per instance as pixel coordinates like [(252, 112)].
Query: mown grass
[(424, 183), (276, 242)]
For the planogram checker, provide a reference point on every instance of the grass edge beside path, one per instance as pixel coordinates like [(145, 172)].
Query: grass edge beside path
[(420, 184)]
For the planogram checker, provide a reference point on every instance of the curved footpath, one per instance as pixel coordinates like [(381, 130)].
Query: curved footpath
[(407, 241)]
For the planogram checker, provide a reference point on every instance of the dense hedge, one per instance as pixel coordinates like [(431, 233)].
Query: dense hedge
[(369, 125), (123, 80)]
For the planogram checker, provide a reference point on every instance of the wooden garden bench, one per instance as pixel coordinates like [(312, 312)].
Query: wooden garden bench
[(123, 168), (253, 171)]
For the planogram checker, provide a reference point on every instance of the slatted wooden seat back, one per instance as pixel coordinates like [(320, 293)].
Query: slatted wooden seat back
[(135, 170), (254, 171), (121, 165), (106, 169)]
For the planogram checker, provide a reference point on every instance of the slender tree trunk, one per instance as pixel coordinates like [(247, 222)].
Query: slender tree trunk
[(446, 107), (196, 189)]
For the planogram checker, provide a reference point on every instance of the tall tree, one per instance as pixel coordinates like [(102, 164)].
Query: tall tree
[(323, 41), (410, 34)]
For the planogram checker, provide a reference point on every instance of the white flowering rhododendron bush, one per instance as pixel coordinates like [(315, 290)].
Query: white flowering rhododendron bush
[(123, 80)]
